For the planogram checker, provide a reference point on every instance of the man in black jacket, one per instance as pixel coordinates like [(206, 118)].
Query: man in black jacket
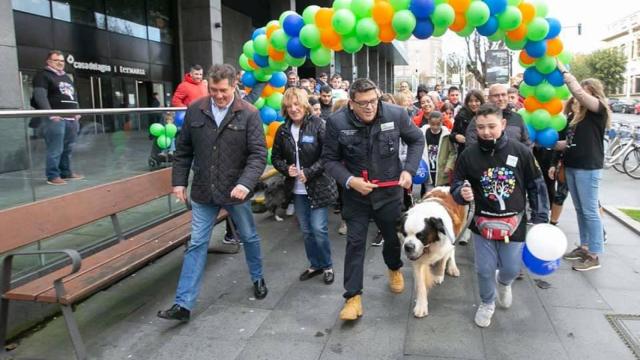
[(363, 139), (501, 172), (223, 141)]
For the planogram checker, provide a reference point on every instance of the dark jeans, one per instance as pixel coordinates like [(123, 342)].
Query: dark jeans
[(59, 137), (357, 228)]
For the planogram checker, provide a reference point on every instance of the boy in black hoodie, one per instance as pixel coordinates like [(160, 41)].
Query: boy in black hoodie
[(501, 173)]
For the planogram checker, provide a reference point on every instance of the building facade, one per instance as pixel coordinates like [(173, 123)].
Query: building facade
[(624, 35)]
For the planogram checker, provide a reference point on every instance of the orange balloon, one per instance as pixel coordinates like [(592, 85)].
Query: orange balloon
[(459, 22), (279, 90), (528, 11), (271, 28), (554, 47), (253, 64), (525, 58), (382, 13), (273, 128), (267, 91), (554, 106), (329, 38), (519, 33), (532, 104), (460, 6), (247, 90), (275, 54), (337, 47), (269, 140), (387, 34), (324, 17)]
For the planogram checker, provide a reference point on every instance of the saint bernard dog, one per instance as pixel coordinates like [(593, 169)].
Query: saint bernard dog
[(428, 232)]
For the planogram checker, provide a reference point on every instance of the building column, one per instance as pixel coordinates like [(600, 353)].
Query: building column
[(373, 64), (390, 77), (201, 33), (345, 65), (362, 61), (382, 72), (10, 96)]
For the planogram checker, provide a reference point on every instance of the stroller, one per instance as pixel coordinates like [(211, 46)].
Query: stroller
[(159, 158)]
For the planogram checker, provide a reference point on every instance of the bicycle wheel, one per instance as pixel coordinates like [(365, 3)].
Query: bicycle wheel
[(616, 154), (631, 163)]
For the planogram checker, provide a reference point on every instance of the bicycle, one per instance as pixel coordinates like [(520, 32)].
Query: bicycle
[(623, 141), (631, 161)]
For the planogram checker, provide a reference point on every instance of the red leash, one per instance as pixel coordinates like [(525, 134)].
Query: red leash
[(382, 184)]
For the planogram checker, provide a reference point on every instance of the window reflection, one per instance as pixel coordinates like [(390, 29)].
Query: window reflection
[(36, 7), (127, 17), (86, 12), (159, 18)]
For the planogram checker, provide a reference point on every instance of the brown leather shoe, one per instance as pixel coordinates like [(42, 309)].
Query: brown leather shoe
[(352, 308), (56, 181), (74, 176), (396, 281)]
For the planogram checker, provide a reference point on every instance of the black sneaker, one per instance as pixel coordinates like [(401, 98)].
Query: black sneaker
[(260, 289), (328, 276), (176, 312), (229, 239), (378, 241)]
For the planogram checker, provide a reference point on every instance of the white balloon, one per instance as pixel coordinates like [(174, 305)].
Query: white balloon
[(546, 242)]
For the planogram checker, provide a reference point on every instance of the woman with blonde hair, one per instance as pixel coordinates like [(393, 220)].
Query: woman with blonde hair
[(584, 161), (296, 155)]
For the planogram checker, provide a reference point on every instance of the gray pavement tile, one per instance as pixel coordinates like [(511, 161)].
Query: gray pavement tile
[(622, 301), (614, 274), (586, 334), (626, 254), (194, 348), (569, 289), (225, 322), (275, 349)]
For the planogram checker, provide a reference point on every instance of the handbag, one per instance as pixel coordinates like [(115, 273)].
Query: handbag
[(498, 228)]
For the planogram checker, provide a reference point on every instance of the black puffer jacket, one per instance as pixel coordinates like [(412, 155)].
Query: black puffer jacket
[(462, 120), (223, 157), (321, 188)]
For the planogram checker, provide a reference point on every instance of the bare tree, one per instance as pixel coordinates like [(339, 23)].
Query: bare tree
[(455, 65), (477, 46)]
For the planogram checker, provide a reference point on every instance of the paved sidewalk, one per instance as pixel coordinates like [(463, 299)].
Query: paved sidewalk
[(299, 320)]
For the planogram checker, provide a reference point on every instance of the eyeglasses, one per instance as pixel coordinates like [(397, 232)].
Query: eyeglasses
[(57, 60), (365, 104), (499, 95)]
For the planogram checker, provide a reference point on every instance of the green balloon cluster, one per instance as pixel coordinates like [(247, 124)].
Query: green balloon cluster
[(164, 134)]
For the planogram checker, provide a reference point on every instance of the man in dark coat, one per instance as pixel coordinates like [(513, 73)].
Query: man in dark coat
[(223, 141)]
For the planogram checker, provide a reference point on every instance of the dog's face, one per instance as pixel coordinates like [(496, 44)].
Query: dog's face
[(417, 233)]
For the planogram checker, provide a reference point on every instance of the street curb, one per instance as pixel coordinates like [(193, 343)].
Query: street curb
[(623, 218)]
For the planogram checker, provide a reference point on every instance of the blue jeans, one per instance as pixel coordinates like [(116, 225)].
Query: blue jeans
[(583, 187), (313, 223), (491, 255), (59, 137), (195, 258)]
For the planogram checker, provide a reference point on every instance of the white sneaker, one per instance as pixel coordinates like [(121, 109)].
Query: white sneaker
[(504, 296), (290, 210), (342, 230), (484, 314)]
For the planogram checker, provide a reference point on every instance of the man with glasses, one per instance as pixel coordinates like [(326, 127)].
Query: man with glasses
[(361, 146), (516, 130), (54, 89)]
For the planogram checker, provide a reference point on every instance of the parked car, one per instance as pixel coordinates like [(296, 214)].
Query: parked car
[(637, 108), (625, 106)]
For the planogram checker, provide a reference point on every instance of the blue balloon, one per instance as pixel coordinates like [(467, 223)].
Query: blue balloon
[(489, 28), (533, 77), (536, 49), (547, 138), (532, 133), (293, 24), (295, 48), (496, 6), (422, 174), (262, 61), (555, 78), (268, 115), (423, 29), (422, 9), (278, 79), (537, 266), (248, 79), (258, 32), (178, 119), (554, 27)]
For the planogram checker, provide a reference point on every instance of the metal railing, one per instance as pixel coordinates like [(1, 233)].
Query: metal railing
[(73, 112)]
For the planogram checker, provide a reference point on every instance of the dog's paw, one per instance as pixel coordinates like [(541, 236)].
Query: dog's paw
[(420, 310), (453, 271), (438, 279)]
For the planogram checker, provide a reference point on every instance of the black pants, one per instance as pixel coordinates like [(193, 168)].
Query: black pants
[(357, 228)]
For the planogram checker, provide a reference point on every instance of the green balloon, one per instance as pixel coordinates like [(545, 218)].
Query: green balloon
[(309, 14), (537, 29), (284, 16), (269, 156), (344, 21), (514, 2), (170, 131), (540, 119), (272, 23), (163, 142), (351, 44), (510, 19), (526, 116), (341, 4), (545, 92), (466, 31), (400, 4), (362, 8), (275, 101), (278, 65), (248, 49), (401, 37), (563, 92), (565, 57), (295, 62), (478, 13), (439, 31), (497, 36), (367, 30), (262, 74), (244, 63), (310, 36), (558, 122), (541, 8), (156, 129), (320, 57), (375, 42), (545, 64), (438, 2), (515, 45), (526, 90), (261, 45), (403, 22), (443, 15), (279, 40), (259, 103), (265, 128)]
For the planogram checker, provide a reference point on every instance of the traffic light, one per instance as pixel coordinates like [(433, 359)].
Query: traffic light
[(579, 29)]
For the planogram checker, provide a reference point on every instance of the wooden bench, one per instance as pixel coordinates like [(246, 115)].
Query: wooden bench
[(28, 224)]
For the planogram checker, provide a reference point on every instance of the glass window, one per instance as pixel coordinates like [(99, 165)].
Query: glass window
[(637, 87), (85, 12), (127, 17), (160, 21), (36, 7)]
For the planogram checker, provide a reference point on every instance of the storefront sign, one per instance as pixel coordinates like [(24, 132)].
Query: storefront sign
[(104, 68)]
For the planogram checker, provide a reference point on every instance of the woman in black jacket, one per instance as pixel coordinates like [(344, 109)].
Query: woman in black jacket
[(472, 103), (296, 155)]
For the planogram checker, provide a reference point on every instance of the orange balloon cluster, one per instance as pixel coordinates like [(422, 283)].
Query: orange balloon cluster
[(324, 16), (382, 13)]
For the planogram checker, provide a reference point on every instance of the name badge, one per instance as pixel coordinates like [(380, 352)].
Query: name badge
[(349, 132), (387, 126), (512, 160), (307, 139)]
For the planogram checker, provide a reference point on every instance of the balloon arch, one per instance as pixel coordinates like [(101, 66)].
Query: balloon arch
[(351, 24)]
